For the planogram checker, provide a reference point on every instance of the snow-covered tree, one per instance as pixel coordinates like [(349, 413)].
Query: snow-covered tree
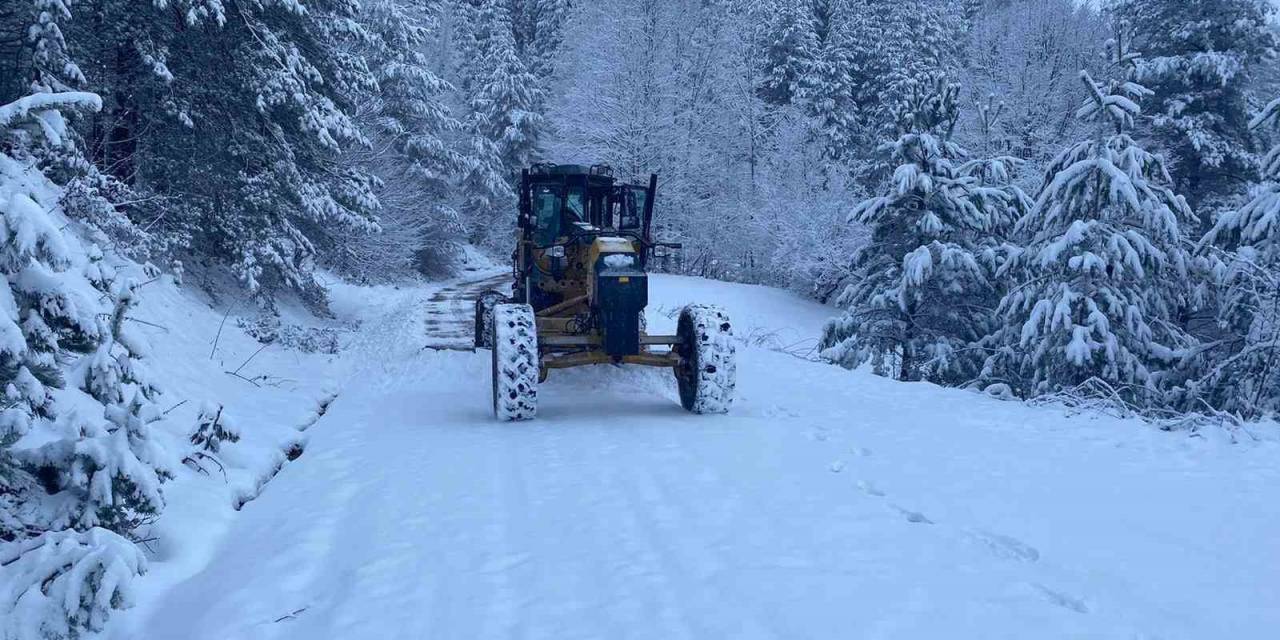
[(1200, 57), (1028, 55), (538, 29), (787, 55), (413, 153), (78, 471), (503, 108), (922, 294), (1102, 272), (36, 58), (107, 470), (1240, 370), (896, 40), (825, 88), (236, 122), (102, 469), (40, 314), (213, 429), (504, 120)]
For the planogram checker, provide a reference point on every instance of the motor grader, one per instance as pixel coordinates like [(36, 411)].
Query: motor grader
[(579, 291)]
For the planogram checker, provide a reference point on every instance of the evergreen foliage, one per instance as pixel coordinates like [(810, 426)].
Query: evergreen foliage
[(79, 580), (1199, 62), (1240, 370), (922, 292), (503, 101), (213, 429), (79, 473), (787, 54), (1101, 275)]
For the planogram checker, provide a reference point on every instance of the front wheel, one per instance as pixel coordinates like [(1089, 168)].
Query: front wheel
[(514, 346), (707, 373)]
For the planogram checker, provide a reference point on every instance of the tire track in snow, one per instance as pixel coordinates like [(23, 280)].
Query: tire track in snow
[(694, 559), (448, 315), (650, 561)]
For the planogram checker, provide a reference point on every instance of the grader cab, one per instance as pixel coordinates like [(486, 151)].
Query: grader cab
[(579, 292)]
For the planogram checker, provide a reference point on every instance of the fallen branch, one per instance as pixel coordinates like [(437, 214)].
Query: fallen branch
[(255, 354), (149, 324), (290, 616), (232, 373), (166, 411)]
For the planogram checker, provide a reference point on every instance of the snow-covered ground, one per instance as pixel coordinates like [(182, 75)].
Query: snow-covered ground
[(827, 504)]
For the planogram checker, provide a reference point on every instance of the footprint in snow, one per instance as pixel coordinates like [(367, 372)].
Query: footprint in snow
[(869, 489), (1003, 546), (1061, 599), (837, 466), (779, 411), (912, 516), (505, 562)]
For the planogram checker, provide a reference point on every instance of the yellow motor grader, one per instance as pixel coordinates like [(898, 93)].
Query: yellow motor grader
[(579, 293)]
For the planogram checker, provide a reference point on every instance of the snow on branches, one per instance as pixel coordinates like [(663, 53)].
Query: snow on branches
[(1204, 60), (61, 584), (79, 470), (1102, 271), (923, 293), (1240, 370)]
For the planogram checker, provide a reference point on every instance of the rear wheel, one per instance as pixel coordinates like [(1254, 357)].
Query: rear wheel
[(514, 344), (707, 371), (484, 316)]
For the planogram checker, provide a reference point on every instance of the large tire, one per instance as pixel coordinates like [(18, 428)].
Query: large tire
[(514, 342), (707, 372), (484, 317)]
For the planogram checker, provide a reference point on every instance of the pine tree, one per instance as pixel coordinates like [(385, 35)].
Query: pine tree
[(891, 43), (91, 470), (1240, 371), (236, 121), (1028, 55), (503, 110), (40, 314), (213, 428), (503, 121), (538, 29), (113, 469), (62, 584), (42, 63), (1102, 272), (1200, 57), (922, 292), (412, 154), (825, 88), (788, 49), (78, 471)]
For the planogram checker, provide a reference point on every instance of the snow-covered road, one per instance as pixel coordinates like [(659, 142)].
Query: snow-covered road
[(828, 504)]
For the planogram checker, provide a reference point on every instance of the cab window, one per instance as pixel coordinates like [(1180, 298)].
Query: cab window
[(547, 204), (576, 206), (632, 208)]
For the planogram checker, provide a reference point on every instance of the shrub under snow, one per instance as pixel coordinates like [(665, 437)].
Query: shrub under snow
[(62, 583)]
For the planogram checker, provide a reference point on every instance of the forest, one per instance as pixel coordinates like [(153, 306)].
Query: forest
[(1042, 200), (891, 158)]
